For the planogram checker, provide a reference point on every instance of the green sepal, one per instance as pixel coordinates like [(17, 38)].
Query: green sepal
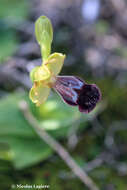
[(44, 35)]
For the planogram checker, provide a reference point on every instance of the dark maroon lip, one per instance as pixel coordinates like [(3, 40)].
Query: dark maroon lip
[(88, 98), (75, 92)]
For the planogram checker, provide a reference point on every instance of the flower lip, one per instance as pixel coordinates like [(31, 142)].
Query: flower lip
[(88, 98), (76, 92)]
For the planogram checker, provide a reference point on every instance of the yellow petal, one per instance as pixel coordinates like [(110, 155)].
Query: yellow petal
[(39, 93), (41, 73), (55, 62)]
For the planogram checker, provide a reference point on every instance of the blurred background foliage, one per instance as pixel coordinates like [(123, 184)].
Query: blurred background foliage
[(93, 34), (11, 14)]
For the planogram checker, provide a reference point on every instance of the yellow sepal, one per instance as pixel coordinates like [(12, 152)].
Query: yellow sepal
[(39, 93), (54, 63), (41, 73)]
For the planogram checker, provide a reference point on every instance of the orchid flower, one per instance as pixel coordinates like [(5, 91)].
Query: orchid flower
[(73, 90)]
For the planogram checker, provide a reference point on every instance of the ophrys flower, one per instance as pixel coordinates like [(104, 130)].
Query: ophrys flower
[(73, 90)]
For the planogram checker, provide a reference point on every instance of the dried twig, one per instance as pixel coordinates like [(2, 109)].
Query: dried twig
[(57, 147)]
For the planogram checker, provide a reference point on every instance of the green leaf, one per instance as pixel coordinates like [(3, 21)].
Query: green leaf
[(26, 151), (12, 121), (44, 35), (26, 148), (56, 116)]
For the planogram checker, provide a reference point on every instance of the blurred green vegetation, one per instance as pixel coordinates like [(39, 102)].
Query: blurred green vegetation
[(20, 137), (12, 13), (20, 144)]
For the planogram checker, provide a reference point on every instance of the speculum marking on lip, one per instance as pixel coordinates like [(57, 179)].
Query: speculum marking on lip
[(76, 92)]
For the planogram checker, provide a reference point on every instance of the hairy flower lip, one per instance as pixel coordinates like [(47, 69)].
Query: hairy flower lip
[(75, 92), (89, 96)]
